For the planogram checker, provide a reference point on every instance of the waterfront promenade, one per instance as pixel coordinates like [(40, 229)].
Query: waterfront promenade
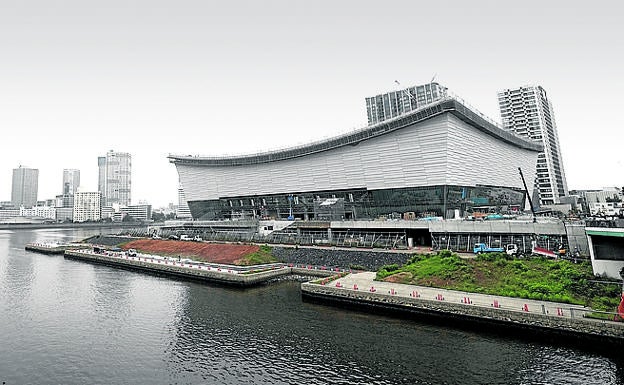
[(366, 281), (457, 307)]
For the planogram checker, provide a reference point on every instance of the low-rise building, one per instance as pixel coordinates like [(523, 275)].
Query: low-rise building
[(46, 212), (142, 212), (9, 213), (64, 214), (593, 202)]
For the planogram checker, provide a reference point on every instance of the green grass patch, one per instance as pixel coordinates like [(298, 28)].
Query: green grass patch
[(498, 274), (262, 256)]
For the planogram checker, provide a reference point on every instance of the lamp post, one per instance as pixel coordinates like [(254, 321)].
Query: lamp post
[(290, 209)]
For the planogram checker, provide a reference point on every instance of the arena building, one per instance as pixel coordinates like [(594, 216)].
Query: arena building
[(441, 160)]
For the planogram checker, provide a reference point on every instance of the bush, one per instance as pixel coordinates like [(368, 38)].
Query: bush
[(491, 257), (446, 254), (390, 268)]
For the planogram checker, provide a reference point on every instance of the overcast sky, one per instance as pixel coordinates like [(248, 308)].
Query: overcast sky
[(154, 77)]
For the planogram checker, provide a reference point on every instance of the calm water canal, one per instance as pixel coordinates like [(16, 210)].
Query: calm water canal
[(70, 322)]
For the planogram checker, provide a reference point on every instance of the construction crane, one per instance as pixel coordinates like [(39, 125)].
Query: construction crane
[(404, 91), (528, 195)]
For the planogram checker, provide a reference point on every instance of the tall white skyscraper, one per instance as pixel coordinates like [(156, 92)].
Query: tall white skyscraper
[(114, 181), (25, 187), (101, 175), (71, 181), (527, 112)]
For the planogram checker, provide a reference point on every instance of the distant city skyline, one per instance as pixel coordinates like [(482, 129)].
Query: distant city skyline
[(244, 77)]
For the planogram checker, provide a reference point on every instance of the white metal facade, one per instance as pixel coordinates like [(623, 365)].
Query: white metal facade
[(442, 150)]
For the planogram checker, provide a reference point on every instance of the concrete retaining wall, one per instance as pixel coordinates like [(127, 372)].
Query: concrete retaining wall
[(49, 249), (586, 329)]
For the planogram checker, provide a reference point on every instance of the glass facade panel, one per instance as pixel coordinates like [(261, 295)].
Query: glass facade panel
[(439, 201)]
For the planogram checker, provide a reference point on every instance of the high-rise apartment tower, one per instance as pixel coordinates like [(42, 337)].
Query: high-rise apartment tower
[(183, 210), (25, 187), (392, 104), (87, 206), (71, 181), (527, 112), (114, 181)]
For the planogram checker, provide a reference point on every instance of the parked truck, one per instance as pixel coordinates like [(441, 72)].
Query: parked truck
[(513, 250), (484, 248), (536, 250)]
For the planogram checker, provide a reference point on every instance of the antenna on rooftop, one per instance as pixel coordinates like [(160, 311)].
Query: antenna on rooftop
[(433, 78)]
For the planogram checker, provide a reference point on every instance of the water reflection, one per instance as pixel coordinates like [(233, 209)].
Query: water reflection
[(65, 321)]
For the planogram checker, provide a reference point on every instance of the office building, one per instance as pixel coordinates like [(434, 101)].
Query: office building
[(25, 187), (392, 104), (114, 179), (527, 112), (140, 212), (101, 174), (71, 181)]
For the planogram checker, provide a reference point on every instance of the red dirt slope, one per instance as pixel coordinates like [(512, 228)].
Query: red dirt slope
[(208, 252)]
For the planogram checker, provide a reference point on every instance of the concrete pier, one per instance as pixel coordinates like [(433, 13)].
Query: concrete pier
[(51, 248), (222, 274), (455, 308)]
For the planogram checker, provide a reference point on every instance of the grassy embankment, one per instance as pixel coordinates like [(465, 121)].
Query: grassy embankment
[(498, 274), (260, 257)]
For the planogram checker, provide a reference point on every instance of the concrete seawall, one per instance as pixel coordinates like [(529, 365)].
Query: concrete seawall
[(222, 275), (573, 330), (50, 248)]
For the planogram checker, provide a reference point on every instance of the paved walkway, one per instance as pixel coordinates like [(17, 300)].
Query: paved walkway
[(365, 282)]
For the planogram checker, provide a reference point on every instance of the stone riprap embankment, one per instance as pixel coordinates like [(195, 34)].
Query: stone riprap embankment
[(342, 258), (315, 256), (108, 240), (460, 308)]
